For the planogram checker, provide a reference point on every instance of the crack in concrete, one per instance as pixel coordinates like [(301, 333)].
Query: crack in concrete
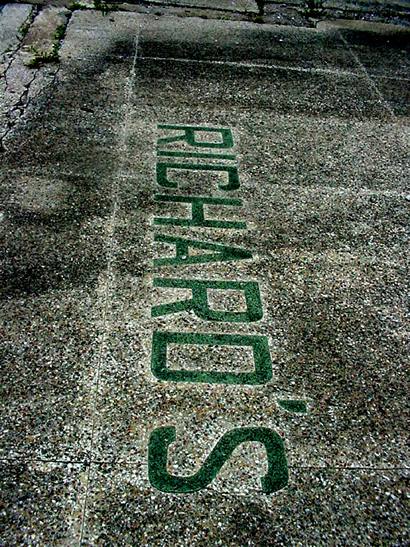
[(13, 54), (19, 107), (17, 110)]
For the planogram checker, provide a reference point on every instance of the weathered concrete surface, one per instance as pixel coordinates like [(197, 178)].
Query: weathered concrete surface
[(321, 136), (12, 19), (25, 40)]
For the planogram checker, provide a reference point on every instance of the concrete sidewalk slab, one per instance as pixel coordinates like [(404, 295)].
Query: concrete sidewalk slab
[(263, 180), (12, 19), (47, 29)]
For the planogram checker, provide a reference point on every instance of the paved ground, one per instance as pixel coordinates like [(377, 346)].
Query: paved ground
[(286, 364)]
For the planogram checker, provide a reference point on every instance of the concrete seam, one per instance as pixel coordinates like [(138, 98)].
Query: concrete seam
[(367, 76), (119, 463), (253, 65), (397, 78), (337, 191), (110, 256)]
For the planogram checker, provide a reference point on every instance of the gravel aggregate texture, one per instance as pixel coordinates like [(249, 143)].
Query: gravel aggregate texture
[(304, 175)]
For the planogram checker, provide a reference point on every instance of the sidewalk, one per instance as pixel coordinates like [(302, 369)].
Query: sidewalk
[(267, 162)]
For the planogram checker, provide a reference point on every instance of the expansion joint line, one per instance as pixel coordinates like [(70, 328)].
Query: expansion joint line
[(249, 65), (110, 255), (367, 76)]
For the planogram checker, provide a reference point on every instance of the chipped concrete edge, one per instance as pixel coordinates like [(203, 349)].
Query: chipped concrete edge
[(273, 12)]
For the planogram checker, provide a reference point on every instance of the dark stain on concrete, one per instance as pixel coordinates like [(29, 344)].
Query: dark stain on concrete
[(53, 232), (57, 196), (44, 492)]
